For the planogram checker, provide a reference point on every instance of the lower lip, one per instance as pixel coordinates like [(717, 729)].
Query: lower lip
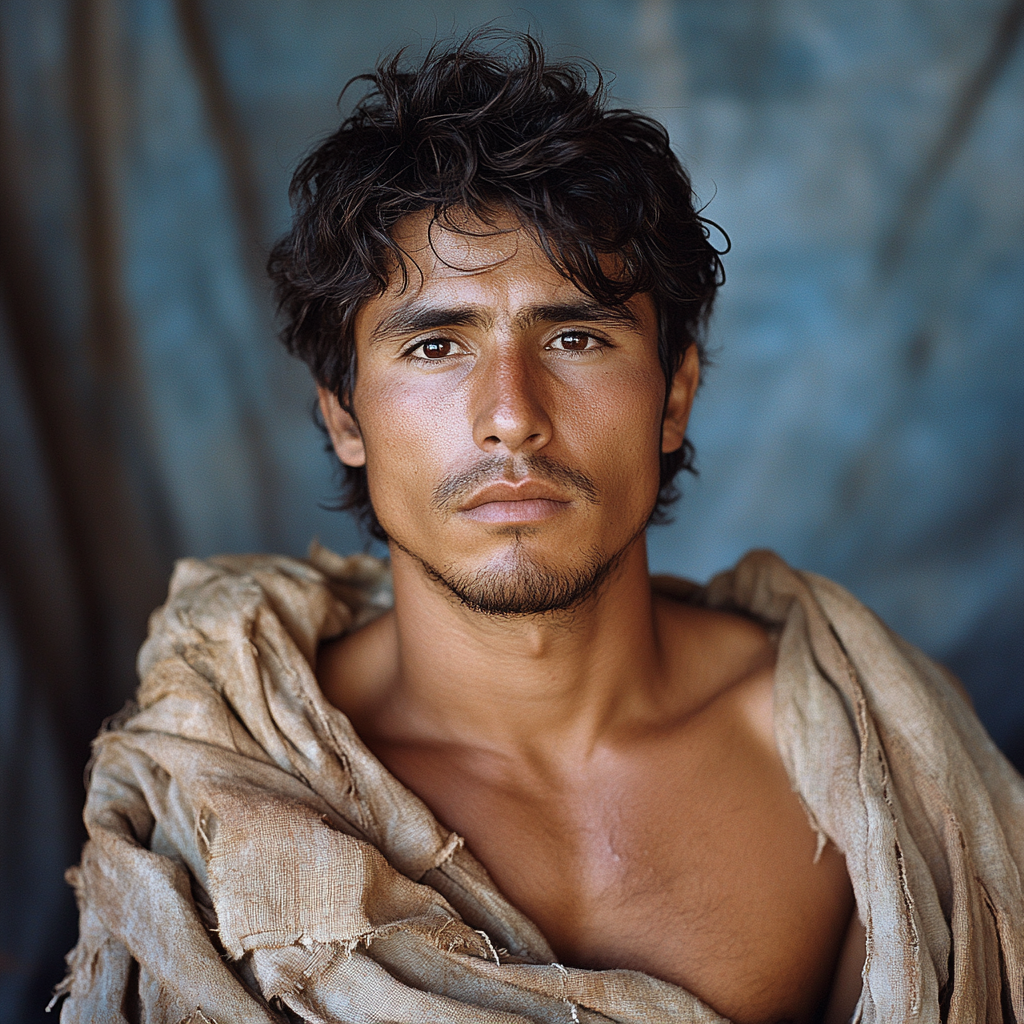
[(532, 510)]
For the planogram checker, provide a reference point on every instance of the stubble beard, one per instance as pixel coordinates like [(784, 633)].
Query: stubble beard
[(516, 585)]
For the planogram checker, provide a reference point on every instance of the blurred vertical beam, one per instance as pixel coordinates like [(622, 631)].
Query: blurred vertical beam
[(58, 623), (120, 495), (95, 106), (119, 405), (117, 567), (227, 132), (238, 163), (68, 673), (962, 116)]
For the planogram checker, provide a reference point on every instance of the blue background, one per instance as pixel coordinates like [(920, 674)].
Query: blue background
[(863, 416)]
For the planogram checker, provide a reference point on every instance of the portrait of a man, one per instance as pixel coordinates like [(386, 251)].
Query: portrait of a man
[(490, 763), (509, 776)]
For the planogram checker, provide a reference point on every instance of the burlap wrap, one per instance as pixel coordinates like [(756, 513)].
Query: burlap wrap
[(250, 860)]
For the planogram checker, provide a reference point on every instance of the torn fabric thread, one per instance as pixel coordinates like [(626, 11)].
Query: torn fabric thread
[(317, 847)]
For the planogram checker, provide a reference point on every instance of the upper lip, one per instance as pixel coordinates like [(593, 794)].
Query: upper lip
[(521, 490)]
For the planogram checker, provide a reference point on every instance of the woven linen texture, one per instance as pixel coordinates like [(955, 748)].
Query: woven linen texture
[(249, 860)]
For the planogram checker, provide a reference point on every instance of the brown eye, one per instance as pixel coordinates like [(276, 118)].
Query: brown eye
[(573, 341), (436, 348)]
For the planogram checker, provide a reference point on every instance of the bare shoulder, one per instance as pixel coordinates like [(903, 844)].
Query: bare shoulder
[(717, 656), (354, 670)]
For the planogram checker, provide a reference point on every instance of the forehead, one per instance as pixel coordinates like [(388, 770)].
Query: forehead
[(493, 263), (463, 246)]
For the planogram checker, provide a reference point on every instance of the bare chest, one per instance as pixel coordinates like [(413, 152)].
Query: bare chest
[(696, 869)]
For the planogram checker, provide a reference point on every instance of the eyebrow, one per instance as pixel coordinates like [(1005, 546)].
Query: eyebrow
[(414, 317), (582, 311), (417, 316)]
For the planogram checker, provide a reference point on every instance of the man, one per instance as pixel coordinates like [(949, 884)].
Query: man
[(524, 783)]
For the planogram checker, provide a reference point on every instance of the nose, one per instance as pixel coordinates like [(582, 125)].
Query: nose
[(510, 405)]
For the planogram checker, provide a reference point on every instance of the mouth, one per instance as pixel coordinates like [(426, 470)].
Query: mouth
[(528, 501)]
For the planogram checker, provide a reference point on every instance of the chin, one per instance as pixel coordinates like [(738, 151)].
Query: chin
[(519, 584), (521, 580)]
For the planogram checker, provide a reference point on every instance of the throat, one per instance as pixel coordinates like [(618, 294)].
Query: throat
[(501, 679)]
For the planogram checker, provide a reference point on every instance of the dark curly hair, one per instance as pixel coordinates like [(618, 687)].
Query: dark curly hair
[(478, 130)]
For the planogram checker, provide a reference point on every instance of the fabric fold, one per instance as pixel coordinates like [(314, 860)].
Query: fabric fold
[(249, 859)]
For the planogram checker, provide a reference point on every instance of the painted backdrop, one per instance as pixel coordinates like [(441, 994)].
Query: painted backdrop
[(862, 416)]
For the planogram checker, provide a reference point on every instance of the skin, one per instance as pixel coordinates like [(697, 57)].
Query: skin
[(613, 765)]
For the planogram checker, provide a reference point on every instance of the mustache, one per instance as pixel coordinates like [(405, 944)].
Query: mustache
[(457, 487)]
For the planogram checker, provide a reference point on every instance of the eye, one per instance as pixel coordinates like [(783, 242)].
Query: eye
[(575, 342), (434, 349)]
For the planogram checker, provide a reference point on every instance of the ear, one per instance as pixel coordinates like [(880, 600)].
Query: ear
[(342, 426), (680, 401)]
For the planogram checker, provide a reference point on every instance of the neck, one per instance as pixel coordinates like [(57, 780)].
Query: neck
[(518, 683)]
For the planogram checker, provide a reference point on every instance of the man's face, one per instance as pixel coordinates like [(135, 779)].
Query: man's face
[(510, 425)]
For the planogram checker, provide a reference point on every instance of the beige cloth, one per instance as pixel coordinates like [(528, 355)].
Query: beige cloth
[(248, 854)]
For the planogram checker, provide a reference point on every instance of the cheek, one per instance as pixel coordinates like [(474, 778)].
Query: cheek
[(409, 434), (622, 420)]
